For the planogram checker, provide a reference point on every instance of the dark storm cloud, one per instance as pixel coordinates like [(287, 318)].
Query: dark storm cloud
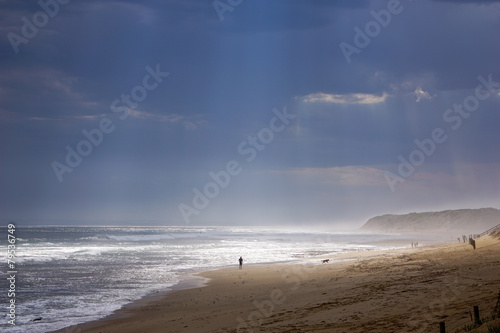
[(261, 15), (453, 49), (468, 1), (225, 77)]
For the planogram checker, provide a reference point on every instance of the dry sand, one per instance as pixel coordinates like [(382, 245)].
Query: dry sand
[(406, 290)]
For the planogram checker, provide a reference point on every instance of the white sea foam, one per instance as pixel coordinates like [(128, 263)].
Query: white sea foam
[(76, 274)]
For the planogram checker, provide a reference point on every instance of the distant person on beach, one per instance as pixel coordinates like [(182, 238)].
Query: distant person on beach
[(241, 262)]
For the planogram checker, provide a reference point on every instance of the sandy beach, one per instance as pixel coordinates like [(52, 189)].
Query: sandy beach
[(404, 290)]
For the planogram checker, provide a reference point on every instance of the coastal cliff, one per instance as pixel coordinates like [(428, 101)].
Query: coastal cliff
[(461, 220)]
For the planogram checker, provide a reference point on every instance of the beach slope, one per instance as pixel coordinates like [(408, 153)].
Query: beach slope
[(405, 290)]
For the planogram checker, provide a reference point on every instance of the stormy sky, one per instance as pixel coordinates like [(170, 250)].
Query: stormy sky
[(250, 112)]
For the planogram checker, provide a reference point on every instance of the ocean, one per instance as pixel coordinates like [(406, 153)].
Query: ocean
[(67, 275)]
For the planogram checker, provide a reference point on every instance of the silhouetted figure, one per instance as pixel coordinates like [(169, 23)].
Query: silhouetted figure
[(241, 262), (472, 242)]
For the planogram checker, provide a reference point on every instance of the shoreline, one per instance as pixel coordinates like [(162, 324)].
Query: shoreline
[(195, 279), (270, 297)]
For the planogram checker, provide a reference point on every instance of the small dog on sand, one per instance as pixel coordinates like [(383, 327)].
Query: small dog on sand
[(325, 261)]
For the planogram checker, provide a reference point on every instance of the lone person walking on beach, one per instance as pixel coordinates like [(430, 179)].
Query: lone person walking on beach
[(241, 262)]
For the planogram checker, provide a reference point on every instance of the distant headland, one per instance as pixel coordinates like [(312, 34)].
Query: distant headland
[(460, 220)]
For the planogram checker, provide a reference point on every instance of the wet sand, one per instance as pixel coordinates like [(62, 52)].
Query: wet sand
[(404, 290)]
